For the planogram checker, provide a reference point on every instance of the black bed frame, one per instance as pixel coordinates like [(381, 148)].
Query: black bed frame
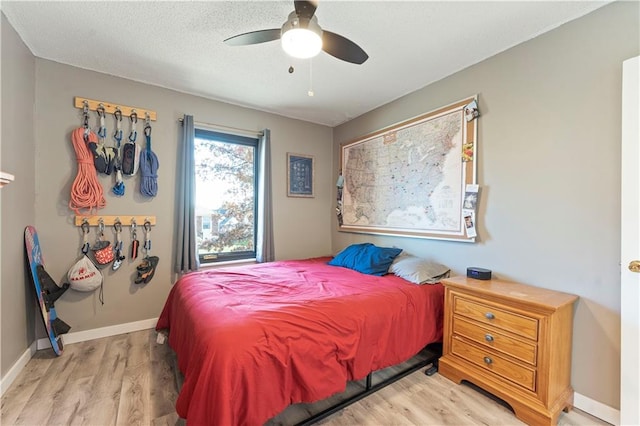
[(431, 353), (434, 352)]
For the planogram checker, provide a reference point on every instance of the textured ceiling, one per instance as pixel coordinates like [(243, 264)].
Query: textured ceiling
[(178, 45)]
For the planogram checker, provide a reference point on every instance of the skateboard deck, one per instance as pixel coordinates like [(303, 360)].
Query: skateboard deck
[(47, 291)]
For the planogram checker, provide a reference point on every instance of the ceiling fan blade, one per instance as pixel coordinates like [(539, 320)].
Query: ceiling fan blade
[(305, 9), (343, 48), (254, 37)]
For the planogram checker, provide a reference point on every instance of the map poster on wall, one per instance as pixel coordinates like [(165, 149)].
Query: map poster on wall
[(409, 179)]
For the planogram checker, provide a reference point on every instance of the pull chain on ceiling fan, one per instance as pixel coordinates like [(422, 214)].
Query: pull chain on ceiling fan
[(302, 37)]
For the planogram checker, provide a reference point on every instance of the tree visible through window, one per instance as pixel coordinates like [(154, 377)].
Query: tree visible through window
[(226, 199)]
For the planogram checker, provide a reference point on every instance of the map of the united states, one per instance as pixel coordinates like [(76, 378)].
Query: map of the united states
[(408, 178)]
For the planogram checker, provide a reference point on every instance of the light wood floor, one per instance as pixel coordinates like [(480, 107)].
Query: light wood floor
[(129, 380)]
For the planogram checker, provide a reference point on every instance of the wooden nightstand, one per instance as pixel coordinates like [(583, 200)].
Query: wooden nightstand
[(512, 340)]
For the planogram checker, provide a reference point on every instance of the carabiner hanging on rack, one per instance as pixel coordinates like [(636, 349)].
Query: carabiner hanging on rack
[(118, 187), (117, 114), (85, 237), (147, 238), (134, 121), (130, 150), (85, 119), (134, 240), (147, 268), (147, 135), (119, 257), (102, 129)]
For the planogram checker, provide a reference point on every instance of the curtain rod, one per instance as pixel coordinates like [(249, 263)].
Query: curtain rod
[(224, 128)]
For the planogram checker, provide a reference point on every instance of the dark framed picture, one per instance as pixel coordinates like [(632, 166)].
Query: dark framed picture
[(300, 175)]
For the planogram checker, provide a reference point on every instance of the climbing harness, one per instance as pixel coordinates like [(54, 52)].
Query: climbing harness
[(131, 150), (86, 191), (119, 257), (135, 244), (148, 165), (118, 188)]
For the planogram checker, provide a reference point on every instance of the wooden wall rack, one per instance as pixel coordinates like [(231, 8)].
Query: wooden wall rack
[(110, 108), (110, 220)]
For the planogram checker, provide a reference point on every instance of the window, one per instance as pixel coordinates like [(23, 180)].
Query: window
[(226, 196)]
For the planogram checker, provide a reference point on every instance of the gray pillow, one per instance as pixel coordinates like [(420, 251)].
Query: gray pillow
[(419, 271)]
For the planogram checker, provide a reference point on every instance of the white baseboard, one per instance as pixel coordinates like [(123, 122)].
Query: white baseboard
[(596, 409), (97, 333), (13, 372), (80, 336)]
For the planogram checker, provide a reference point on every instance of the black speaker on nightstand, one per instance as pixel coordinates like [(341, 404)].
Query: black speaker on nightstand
[(478, 273)]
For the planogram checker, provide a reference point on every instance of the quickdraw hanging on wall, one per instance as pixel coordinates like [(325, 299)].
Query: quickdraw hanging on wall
[(85, 237), (117, 246), (147, 268), (103, 157), (148, 165), (147, 238), (135, 244), (118, 187), (131, 150)]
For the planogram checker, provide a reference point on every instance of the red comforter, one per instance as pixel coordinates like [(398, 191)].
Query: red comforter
[(251, 340)]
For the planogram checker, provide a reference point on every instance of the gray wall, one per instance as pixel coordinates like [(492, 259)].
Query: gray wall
[(57, 85), (18, 198), (37, 148), (549, 168)]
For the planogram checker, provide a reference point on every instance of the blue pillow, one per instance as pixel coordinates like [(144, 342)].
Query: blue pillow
[(366, 258)]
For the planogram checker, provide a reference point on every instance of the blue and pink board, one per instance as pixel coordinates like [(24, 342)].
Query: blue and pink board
[(46, 289)]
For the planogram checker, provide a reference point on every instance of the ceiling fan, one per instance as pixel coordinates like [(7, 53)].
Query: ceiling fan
[(302, 37)]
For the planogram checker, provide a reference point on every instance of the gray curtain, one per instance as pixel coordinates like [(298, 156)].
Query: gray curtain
[(264, 250), (186, 254)]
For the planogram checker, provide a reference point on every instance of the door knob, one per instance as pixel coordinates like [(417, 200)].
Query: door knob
[(634, 266)]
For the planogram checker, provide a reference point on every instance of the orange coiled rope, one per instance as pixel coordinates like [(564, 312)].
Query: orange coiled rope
[(86, 191)]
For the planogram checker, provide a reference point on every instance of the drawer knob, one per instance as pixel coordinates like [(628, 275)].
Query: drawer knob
[(487, 360), (488, 338), (489, 315)]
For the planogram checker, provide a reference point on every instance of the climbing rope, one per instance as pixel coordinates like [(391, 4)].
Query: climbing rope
[(86, 191), (148, 167)]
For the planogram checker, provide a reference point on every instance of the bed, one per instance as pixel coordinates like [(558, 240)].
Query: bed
[(252, 340)]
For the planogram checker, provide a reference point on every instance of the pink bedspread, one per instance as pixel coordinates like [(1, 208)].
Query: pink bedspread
[(251, 340)]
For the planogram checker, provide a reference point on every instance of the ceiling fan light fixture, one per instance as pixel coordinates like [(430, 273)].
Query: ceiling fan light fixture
[(301, 38)]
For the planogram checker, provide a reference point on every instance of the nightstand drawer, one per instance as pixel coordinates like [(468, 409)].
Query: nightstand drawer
[(509, 321), (489, 361), (489, 336)]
